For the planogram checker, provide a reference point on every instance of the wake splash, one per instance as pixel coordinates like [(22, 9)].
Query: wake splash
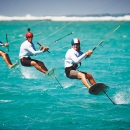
[(67, 18), (30, 73), (5, 101), (67, 84), (122, 97)]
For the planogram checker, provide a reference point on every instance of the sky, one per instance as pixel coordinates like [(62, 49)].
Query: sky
[(62, 7)]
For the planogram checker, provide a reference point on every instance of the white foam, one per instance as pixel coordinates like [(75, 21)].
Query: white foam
[(30, 73), (5, 101), (67, 18), (122, 98), (66, 85)]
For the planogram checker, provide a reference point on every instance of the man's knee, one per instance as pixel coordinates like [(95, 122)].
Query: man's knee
[(81, 75), (33, 63), (3, 54), (89, 76)]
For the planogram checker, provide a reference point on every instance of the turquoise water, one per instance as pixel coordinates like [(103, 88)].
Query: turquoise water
[(31, 101)]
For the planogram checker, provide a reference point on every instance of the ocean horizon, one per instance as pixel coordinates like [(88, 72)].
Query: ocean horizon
[(94, 17)]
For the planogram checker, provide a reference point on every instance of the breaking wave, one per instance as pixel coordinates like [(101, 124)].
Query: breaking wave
[(68, 18)]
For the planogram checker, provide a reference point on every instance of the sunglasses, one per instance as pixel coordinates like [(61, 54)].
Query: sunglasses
[(76, 44), (30, 37)]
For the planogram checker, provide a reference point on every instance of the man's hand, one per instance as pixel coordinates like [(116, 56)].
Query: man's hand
[(43, 48), (6, 44), (87, 54)]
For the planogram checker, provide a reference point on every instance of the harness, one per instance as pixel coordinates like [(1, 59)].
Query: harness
[(76, 66)]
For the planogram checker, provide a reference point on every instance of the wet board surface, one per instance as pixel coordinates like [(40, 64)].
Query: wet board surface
[(50, 72), (98, 88), (14, 65)]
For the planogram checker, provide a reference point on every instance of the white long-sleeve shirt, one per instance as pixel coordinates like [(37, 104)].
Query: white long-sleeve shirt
[(72, 57), (27, 49)]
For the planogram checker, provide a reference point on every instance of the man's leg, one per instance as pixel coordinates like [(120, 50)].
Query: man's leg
[(83, 78), (39, 66), (90, 78), (6, 58)]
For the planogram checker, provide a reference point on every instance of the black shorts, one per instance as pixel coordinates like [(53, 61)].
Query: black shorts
[(27, 61), (71, 72), (2, 51)]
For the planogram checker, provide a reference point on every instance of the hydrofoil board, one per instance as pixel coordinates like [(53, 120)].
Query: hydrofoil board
[(14, 65), (98, 88)]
